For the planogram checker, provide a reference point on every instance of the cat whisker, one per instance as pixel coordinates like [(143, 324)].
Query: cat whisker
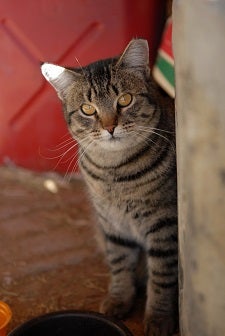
[(57, 149), (68, 172), (62, 145), (84, 150), (156, 129), (154, 132), (75, 166), (145, 138), (151, 130), (80, 66), (67, 134), (62, 156)]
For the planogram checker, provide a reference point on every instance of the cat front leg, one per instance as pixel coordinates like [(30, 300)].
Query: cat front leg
[(122, 256), (161, 314)]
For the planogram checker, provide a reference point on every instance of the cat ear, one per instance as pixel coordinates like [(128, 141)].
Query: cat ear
[(135, 55), (59, 77)]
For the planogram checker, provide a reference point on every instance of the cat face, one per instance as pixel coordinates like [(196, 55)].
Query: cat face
[(107, 102)]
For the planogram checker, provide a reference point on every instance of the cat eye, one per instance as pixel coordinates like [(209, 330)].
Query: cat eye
[(88, 109), (124, 100)]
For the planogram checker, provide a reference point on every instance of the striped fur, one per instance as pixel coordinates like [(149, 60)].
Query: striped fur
[(127, 157)]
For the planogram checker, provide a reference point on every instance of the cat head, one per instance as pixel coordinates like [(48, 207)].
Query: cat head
[(108, 101)]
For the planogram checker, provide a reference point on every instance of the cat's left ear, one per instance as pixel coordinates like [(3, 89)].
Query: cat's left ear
[(136, 55), (59, 77)]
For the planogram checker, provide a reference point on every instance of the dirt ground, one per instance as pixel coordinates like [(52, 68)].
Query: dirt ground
[(49, 257)]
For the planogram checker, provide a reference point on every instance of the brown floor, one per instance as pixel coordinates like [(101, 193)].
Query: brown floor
[(49, 258)]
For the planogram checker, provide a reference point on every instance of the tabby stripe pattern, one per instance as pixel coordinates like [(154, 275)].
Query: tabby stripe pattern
[(127, 156)]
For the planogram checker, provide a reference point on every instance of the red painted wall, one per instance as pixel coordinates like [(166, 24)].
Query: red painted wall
[(31, 122)]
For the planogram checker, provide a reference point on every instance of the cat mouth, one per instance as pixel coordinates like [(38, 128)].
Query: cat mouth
[(110, 137), (112, 140)]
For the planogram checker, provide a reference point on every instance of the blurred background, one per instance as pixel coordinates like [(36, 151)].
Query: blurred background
[(70, 33), (49, 257), (46, 222)]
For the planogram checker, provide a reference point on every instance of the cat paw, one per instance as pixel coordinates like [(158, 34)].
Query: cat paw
[(160, 325), (114, 306)]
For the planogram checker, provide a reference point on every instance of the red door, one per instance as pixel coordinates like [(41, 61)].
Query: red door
[(70, 32)]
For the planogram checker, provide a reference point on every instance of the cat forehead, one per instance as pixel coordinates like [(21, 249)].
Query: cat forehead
[(100, 64), (99, 70), (106, 70)]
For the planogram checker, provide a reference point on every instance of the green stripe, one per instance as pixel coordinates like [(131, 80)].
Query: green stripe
[(166, 69)]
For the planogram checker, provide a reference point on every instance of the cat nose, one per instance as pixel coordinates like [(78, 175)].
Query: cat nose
[(109, 122), (110, 129)]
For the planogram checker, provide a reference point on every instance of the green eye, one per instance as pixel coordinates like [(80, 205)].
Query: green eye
[(88, 109), (125, 100)]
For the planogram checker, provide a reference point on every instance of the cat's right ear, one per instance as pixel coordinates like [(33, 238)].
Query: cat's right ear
[(59, 77)]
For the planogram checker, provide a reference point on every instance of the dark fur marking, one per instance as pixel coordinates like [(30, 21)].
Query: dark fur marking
[(94, 176), (117, 271), (149, 98), (118, 259), (121, 241), (165, 284), (115, 89), (162, 274), (89, 95), (131, 159), (144, 171), (161, 224), (69, 116), (171, 264), (160, 253), (173, 238)]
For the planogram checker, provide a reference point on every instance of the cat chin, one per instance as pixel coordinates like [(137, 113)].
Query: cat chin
[(112, 143), (117, 143)]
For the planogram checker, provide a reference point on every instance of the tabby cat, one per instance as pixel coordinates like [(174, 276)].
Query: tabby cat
[(125, 129)]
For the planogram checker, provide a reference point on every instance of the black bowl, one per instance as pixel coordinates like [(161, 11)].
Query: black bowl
[(72, 323)]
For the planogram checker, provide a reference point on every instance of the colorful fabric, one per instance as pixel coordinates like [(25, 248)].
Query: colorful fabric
[(163, 70)]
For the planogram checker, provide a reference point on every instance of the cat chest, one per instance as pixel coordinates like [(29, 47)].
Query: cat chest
[(111, 191), (117, 210), (114, 184), (115, 220)]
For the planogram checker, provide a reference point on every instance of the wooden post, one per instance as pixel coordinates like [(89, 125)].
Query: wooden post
[(199, 49)]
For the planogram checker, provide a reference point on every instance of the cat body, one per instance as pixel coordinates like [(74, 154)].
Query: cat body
[(125, 130)]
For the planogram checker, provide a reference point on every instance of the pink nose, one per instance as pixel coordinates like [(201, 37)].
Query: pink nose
[(110, 129)]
